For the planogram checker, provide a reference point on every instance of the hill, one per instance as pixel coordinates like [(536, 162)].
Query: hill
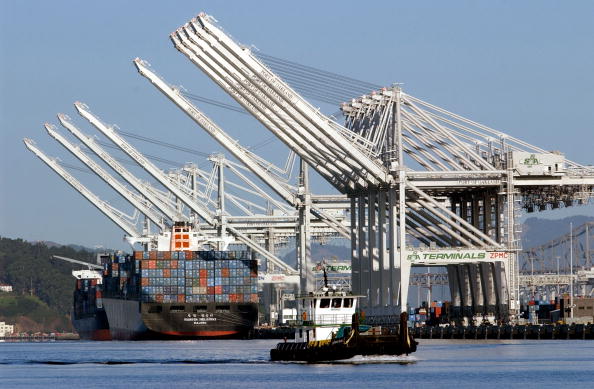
[(536, 231), (30, 314), (28, 268)]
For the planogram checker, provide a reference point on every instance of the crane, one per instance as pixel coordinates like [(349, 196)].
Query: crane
[(132, 197), (310, 121), (89, 265), (116, 217), (200, 209), (314, 153), (172, 213), (234, 147)]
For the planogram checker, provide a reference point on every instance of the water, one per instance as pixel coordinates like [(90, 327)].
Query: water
[(245, 364)]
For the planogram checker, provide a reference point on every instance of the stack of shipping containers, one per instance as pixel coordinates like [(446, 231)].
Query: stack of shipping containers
[(183, 276), (87, 297)]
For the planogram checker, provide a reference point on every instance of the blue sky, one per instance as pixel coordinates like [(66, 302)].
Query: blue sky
[(522, 67)]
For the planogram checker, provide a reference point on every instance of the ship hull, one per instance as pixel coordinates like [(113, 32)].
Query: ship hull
[(94, 327), (135, 320)]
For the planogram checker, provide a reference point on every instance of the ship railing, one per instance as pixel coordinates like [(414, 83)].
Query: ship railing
[(333, 319), (323, 319)]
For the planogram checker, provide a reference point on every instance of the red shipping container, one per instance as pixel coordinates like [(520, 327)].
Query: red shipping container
[(138, 255), (437, 311), (159, 298), (93, 282), (210, 290), (152, 264), (189, 255), (218, 289), (152, 255), (203, 282), (181, 298), (203, 273), (166, 254), (98, 294), (174, 264), (78, 284), (225, 272), (144, 282), (166, 273), (254, 298)]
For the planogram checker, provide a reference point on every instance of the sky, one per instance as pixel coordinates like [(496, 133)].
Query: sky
[(524, 68)]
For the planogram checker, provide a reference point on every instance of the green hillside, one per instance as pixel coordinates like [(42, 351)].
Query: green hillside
[(31, 314), (28, 268)]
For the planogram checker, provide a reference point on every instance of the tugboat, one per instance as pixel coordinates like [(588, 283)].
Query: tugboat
[(330, 328)]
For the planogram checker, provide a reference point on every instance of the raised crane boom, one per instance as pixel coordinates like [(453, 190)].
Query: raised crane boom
[(215, 131), (314, 153), (150, 168), (233, 146), (311, 121), (105, 176), (140, 186), (96, 201), (200, 209), (90, 265)]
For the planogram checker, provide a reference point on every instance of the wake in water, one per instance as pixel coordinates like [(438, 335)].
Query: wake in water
[(363, 360), (356, 360), (136, 361)]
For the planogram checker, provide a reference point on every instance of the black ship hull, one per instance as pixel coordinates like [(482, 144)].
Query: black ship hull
[(92, 327), (135, 320)]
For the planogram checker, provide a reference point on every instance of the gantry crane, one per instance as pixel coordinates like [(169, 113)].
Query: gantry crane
[(126, 193), (171, 212), (203, 212), (460, 207), (114, 215)]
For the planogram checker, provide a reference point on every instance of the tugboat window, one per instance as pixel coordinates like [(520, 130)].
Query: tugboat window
[(325, 303), (348, 303), (336, 303)]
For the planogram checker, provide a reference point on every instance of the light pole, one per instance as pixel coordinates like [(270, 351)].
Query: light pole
[(558, 286), (571, 270)]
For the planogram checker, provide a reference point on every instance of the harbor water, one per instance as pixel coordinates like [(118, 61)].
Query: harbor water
[(245, 364)]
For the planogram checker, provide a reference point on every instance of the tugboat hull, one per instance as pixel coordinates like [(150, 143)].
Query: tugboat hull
[(338, 350), (347, 346)]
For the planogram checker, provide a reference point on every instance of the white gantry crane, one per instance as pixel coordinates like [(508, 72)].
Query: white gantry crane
[(114, 215), (201, 210), (138, 202), (452, 202), (170, 211)]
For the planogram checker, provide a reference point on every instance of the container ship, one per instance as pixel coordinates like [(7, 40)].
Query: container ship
[(88, 315), (180, 294)]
